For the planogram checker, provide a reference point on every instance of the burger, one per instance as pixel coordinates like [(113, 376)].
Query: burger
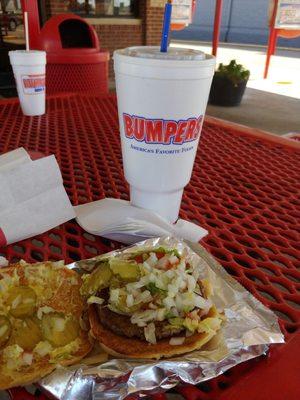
[(153, 303), (40, 321)]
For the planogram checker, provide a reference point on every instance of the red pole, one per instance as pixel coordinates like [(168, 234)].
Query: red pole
[(272, 39), (217, 26), (31, 6)]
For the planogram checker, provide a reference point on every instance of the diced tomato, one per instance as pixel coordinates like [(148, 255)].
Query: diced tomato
[(139, 259), (159, 254), (169, 266)]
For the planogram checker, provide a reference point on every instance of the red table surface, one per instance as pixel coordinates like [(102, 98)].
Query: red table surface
[(244, 189)]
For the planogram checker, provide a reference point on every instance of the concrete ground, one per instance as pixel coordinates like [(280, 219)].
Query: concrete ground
[(272, 104), (263, 110)]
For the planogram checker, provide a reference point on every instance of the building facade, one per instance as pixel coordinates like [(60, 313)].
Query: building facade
[(243, 21), (118, 23)]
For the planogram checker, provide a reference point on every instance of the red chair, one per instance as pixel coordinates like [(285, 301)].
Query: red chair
[(75, 62)]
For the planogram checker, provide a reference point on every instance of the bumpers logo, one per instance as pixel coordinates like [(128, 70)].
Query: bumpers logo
[(160, 131), (34, 84)]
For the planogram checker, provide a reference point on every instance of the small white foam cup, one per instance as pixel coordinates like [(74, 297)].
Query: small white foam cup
[(162, 98), (29, 69)]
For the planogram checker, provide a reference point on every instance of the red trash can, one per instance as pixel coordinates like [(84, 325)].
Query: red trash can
[(75, 62)]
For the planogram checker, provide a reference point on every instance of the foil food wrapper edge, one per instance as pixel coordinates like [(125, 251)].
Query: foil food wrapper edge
[(249, 329)]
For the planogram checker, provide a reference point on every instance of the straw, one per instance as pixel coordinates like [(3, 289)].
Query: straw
[(166, 27), (26, 30)]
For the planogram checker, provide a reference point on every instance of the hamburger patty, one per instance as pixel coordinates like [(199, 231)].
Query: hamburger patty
[(121, 324)]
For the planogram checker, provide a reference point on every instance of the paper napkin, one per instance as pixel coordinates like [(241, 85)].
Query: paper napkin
[(119, 220), (32, 196)]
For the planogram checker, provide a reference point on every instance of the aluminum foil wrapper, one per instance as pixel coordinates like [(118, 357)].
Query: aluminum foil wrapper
[(249, 329)]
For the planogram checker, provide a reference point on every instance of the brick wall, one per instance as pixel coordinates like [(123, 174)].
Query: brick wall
[(57, 6), (153, 19), (114, 37)]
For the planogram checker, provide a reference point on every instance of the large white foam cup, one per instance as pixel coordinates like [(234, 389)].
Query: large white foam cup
[(29, 69), (162, 100)]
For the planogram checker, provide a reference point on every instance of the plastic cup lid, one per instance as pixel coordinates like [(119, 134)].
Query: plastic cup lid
[(27, 52), (179, 54)]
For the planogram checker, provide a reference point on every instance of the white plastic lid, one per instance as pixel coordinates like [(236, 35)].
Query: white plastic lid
[(24, 57), (149, 62), (153, 52)]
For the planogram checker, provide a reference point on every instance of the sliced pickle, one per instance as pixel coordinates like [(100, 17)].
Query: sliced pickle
[(22, 301), (99, 279), (126, 270), (5, 330), (59, 330), (27, 333), (116, 282)]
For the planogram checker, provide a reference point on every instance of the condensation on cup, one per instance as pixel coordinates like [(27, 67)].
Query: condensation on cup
[(162, 98), (29, 69)]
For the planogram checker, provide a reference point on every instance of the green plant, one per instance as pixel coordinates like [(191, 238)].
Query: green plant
[(233, 71)]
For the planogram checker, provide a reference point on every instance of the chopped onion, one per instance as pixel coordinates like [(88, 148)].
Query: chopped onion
[(183, 284), (200, 302), (173, 260), (151, 278), (170, 273), (43, 348), (152, 260), (146, 295), (135, 285), (114, 295), (177, 291), (95, 300), (141, 324), (172, 290), (44, 310), (181, 266), (176, 341), (59, 324), (147, 266), (191, 283), (169, 302), (161, 314), (149, 332), (27, 358), (143, 316), (174, 311), (129, 300)]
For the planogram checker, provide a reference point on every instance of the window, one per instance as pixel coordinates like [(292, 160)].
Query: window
[(104, 7)]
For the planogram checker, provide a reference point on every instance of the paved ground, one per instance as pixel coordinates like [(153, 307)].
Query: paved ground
[(267, 111), (272, 104)]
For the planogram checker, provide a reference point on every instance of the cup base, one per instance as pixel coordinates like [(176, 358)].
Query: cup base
[(165, 204)]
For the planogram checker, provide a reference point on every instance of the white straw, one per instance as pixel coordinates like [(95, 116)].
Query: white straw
[(26, 30)]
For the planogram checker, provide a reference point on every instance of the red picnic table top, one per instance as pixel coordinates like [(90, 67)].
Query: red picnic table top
[(245, 191)]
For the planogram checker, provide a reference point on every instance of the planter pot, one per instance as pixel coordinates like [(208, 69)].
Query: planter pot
[(224, 93)]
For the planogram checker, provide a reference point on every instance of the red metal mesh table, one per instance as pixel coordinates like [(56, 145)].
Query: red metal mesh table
[(244, 190)]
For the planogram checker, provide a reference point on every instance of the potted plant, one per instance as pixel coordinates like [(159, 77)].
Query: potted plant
[(229, 84)]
